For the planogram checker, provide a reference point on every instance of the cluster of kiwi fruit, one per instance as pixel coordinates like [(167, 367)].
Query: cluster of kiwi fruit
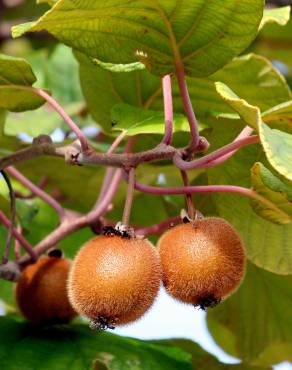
[(115, 277)]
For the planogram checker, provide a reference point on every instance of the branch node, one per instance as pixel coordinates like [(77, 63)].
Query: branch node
[(42, 139), (10, 271)]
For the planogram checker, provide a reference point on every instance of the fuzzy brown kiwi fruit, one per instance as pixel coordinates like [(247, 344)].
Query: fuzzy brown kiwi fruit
[(202, 261), (41, 292), (114, 280)]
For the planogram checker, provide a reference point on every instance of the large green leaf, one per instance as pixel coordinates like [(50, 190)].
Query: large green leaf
[(278, 148), (257, 319), (202, 35), (15, 75), (78, 347), (251, 77), (267, 244), (273, 189)]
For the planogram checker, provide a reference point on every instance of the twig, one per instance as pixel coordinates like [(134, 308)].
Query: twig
[(37, 191), (189, 197), (216, 157), (168, 110), (102, 207), (73, 155), (13, 216), (158, 228), (194, 127), (26, 245), (129, 198), (246, 132), (208, 189)]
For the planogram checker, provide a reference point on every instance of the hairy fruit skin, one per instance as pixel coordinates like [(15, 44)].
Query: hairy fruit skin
[(114, 280), (202, 261), (41, 292)]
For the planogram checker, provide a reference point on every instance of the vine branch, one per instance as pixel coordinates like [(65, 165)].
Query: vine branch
[(13, 215), (37, 191), (168, 109)]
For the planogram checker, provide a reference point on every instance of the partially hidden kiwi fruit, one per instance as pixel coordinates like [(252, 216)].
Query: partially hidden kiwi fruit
[(41, 292), (202, 261), (114, 280)]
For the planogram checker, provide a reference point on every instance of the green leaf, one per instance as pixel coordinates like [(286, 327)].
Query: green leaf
[(279, 16), (203, 360), (77, 347), (202, 35), (273, 189), (120, 68), (250, 114), (267, 244), (15, 76), (136, 120), (278, 148), (256, 319)]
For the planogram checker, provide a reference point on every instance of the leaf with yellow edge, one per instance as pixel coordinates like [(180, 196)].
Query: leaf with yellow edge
[(249, 113), (276, 191), (278, 148)]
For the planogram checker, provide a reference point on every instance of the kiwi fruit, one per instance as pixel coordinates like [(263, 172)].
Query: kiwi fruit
[(41, 291), (114, 279), (203, 261)]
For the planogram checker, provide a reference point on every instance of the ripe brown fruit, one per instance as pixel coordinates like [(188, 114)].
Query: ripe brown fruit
[(41, 292), (202, 261), (114, 280)]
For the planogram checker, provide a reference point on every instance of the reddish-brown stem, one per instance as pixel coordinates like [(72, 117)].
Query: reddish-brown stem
[(246, 132), (189, 197), (129, 198), (17, 245), (37, 191), (116, 142), (110, 170), (13, 216), (158, 228), (4, 220), (194, 127), (208, 189), (57, 107), (168, 109), (102, 207), (210, 159)]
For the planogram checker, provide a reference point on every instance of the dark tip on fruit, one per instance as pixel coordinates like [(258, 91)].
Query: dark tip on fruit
[(57, 253), (185, 220), (111, 231), (207, 302), (103, 323)]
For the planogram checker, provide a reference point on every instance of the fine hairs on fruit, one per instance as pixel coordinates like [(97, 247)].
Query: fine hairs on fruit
[(41, 292), (114, 279), (203, 261)]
